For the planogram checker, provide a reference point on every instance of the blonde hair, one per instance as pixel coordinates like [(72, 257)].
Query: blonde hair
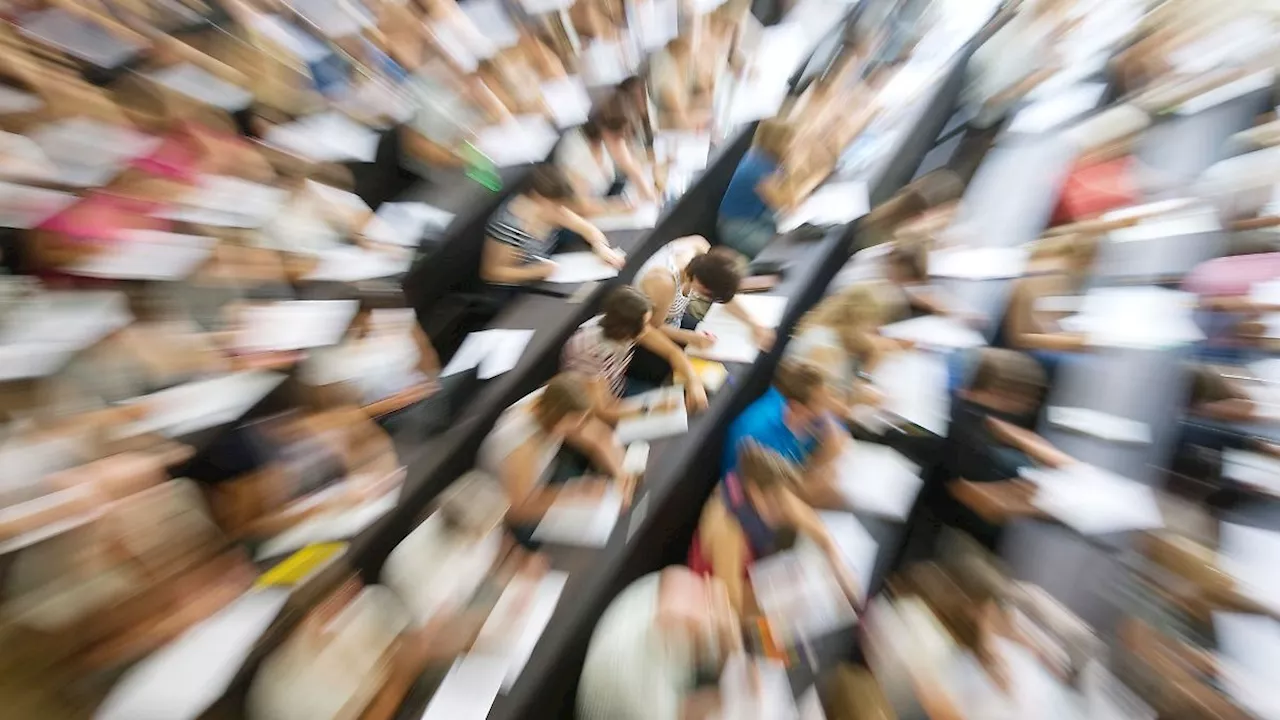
[(765, 468), (852, 312), (564, 395), (774, 136)]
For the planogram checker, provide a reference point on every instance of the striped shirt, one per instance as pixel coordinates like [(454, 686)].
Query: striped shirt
[(589, 352), (666, 260), (508, 229)]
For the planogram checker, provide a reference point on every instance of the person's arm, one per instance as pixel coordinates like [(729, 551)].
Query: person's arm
[(726, 549), (661, 290), (605, 405), (623, 158), (806, 521), (1026, 329), (764, 336), (500, 263), (571, 220), (597, 441), (1039, 449), (661, 345), (820, 489), (529, 501)]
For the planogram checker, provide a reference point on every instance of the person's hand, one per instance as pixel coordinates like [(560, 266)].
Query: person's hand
[(695, 398), (613, 256), (702, 339), (546, 269), (764, 337)]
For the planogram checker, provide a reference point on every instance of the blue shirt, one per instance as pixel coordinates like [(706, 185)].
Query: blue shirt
[(741, 201), (762, 421)]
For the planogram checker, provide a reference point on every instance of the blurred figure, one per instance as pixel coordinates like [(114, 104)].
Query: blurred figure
[(753, 514), (658, 637), (596, 159), (674, 87), (1058, 268), (747, 219), (523, 452)]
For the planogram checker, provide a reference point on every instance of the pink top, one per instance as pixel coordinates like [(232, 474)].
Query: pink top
[(175, 159), (101, 218), (1232, 276)]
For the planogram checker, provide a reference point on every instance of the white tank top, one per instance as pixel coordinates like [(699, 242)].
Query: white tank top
[(514, 428)]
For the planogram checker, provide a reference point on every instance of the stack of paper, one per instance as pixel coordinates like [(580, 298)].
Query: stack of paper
[(1250, 468), (568, 100), (762, 692), (1051, 112), (201, 85), (667, 418), (640, 218), (580, 267), (517, 622), (148, 255), (1094, 501), (326, 137), (1248, 554), (578, 521), (832, 204), (492, 351), (978, 263), (202, 404), (877, 479), (734, 341), (915, 389), (1100, 425), (1249, 650), (932, 331), (295, 324), (523, 140), (1136, 317), (404, 224)]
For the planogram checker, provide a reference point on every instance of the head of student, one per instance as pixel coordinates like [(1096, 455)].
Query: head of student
[(564, 404), (679, 48), (627, 312), (802, 386), (607, 123), (907, 263), (548, 185), (854, 314), (1008, 382), (773, 137), (765, 474), (716, 274)]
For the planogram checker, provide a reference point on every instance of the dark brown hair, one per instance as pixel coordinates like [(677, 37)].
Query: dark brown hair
[(612, 118), (624, 313), (1009, 372), (719, 271), (549, 182), (798, 380), (565, 395)]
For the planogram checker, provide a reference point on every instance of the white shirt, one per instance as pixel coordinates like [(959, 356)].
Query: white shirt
[(574, 155)]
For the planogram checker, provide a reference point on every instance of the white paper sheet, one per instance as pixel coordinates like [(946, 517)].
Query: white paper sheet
[(856, 545), (603, 64), (811, 705), (568, 100), (580, 267), (353, 264), (641, 218), (798, 593), (523, 140), (13, 100), (199, 84), (1248, 554), (202, 404), (493, 351), (228, 202), (683, 150), (89, 153), (295, 324), (914, 384), (1250, 468), (655, 425), (493, 20), (26, 207), (510, 635), (79, 37), (877, 479), (978, 263), (932, 331), (404, 224), (148, 255), (326, 137), (335, 19), (1062, 107), (1228, 92), (733, 339), (762, 693), (291, 39), (1136, 317), (587, 523), (1184, 222), (1093, 501), (832, 204), (329, 527), (1100, 425), (182, 679), (469, 690), (653, 22), (1249, 648)]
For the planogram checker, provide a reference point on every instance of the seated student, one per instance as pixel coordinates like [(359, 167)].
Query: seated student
[(839, 338), (596, 159), (523, 451), (647, 653), (633, 102), (688, 268), (514, 82), (448, 107), (792, 419), (907, 269), (747, 219), (753, 514), (1014, 61), (522, 233), (990, 434), (602, 352), (673, 85), (1058, 269), (922, 207)]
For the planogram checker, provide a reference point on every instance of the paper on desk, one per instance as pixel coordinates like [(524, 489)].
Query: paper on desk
[(1136, 317), (15, 101), (1094, 501), (202, 404), (1249, 648), (404, 224), (856, 545), (734, 341), (88, 152), (1251, 468), (655, 425), (147, 255), (978, 263), (580, 267), (797, 592), (295, 324), (1186, 222), (877, 479), (1051, 112), (200, 84), (811, 705), (914, 384), (353, 264), (762, 693), (79, 37), (182, 679), (69, 319), (228, 202), (494, 19), (935, 332), (683, 150), (24, 207), (653, 23), (468, 690), (326, 137), (1228, 92), (642, 217), (567, 99), (604, 63), (1248, 554), (522, 140), (329, 527), (291, 39), (832, 204), (494, 352), (515, 626), (1100, 425), (585, 522)]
